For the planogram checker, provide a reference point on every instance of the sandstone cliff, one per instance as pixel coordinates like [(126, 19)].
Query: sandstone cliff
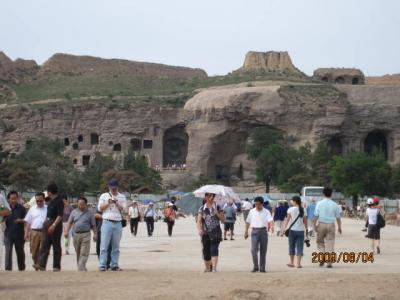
[(267, 61), (66, 64)]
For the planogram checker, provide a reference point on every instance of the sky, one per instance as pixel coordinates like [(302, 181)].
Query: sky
[(213, 35)]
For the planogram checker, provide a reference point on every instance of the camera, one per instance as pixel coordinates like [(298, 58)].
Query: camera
[(307, 242)]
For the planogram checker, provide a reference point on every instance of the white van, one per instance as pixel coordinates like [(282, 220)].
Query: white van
[(311, 192)]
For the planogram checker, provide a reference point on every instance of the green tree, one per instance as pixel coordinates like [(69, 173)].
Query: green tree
[(147, 177), (93, 175), (360, 174), (266, 147)]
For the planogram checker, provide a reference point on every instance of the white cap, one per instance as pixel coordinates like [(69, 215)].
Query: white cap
[(370, 201)]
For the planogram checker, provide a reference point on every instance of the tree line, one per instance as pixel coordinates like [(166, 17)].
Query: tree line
[(355, 174), (43, 161)]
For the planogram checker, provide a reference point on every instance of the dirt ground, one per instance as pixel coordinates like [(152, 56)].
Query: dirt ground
[(171, 268)]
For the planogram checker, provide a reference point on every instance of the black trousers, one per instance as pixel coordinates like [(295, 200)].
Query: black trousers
[(134, 225), (98, 243), (170, 227), (47, 242), (19, 249), (150, 225)]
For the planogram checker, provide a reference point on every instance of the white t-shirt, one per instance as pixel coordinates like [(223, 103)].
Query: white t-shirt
[(259, 219), (36, 217), (372, 214), (133, 212), (112, 212), (294, 212), (246, 205)]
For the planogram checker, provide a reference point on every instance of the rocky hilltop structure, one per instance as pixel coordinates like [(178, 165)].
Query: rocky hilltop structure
[(340, 75), (209, 133), (66, 64), (267, 61), (15, 71)]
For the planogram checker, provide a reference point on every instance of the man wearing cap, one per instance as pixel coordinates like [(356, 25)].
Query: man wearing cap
[(260, 220), (150, 215), (111, 204)]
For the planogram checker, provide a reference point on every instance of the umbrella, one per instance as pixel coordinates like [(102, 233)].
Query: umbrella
[(223, 194)]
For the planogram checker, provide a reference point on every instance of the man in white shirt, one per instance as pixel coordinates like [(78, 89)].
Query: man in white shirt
[(134, 216), (260, 220), (5, 210), (246, 207), (111, 204), (33, 227)]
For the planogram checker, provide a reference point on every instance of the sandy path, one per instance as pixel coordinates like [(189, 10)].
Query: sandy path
[(161, 267)]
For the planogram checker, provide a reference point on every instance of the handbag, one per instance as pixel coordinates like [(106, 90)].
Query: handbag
[(291, 225), (380, 220)]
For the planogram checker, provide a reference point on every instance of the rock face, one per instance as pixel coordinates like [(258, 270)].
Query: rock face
[(340, 75), (267, 61), (220, 120), (66, 64), (209, 135), (15, 71)]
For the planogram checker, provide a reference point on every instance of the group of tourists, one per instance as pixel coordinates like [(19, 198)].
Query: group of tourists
[(44, 224), (292, 222)]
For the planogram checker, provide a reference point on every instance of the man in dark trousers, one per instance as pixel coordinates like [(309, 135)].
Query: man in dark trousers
[(14, 234), (52, 230)]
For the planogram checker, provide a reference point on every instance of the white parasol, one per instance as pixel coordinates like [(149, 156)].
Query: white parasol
[(223, 194)]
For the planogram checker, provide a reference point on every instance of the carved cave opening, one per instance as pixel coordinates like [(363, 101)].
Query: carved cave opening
[(376, 141), (175, 146), (335, 146)]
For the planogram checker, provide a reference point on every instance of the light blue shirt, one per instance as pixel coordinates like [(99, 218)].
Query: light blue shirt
[(310, 211), (327, 211)]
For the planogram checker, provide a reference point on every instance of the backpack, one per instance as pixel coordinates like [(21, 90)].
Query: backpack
[(380, 221)]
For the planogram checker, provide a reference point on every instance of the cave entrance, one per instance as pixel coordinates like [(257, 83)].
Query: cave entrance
[(339, 80), (136, 144), (355, 80), (175, 146), (376, 141), (335, 146), (224, 149)]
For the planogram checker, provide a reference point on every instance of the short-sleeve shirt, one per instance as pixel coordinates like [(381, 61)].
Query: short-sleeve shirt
[(112, 212), (210, 221), (134, 212), (55, 208), (36, 217), (372, 214), (83, 220), (229, 212), (259, 219), (310, 210), (280, 213), (299, 224), (13, 230), (67, 212), (327, 211)]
